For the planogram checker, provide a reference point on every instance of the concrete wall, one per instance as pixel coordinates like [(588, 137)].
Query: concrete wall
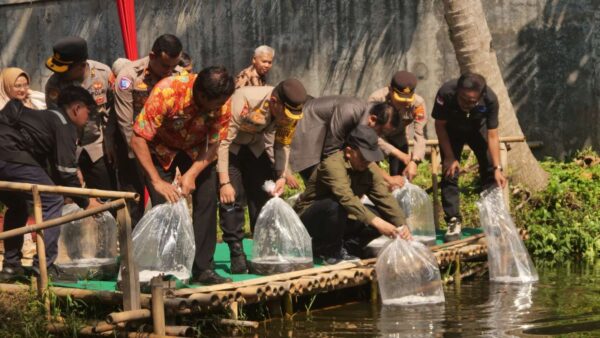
[(548, 49)]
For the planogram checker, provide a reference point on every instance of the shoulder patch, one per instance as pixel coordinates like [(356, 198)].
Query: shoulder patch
[(439, 100), (124, 83), (53, 94)]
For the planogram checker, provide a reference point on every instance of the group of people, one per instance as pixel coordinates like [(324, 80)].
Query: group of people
[(135, 125)]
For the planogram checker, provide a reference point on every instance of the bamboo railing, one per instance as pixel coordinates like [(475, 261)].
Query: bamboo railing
[(131, 288)]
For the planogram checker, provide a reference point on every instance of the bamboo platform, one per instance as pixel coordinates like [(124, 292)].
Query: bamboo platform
[(457, 260)]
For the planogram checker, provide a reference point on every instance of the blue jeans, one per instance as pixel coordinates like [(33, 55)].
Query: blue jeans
[(17, 210)]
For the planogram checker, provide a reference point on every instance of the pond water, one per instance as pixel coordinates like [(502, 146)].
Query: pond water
[(565, 302)]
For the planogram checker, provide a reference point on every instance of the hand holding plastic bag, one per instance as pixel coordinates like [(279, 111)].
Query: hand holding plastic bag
[(508, 259), (408, 274), (281, 242), (418, 210), (163, 242)]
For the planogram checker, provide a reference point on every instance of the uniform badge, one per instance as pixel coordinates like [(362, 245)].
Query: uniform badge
[(125, 83), (97, 85), (100, 100), (481, 109), (439, 100)]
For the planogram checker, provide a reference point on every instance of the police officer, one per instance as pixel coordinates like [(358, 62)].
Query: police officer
[(466, 112), (29, 140), (243, 164), (71, 66), (411, 107), (132, 88)]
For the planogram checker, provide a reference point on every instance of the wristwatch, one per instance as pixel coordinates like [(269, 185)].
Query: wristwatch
[(498, 167)]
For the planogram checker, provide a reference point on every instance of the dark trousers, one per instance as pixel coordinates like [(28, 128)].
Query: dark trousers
[(330, 229), (130, 177), (204, 204), (307, 173), (97, 175), (477, 141), (17, 211), (247, 175), (396, 166)]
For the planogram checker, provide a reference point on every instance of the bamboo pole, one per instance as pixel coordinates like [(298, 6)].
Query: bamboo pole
[(69, 191), (184, 331), (41, 225), (504, 164), (288, 305), (40, 246), (158, 306), (176, 303), (239, 323), (435, 166), (103, 327), (451, 244), (267, 279), (129, 273), (208, 299), (234, 310), (126, 316), (506, 139)]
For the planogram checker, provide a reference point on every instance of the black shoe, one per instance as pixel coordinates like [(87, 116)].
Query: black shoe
[(454, 230), (209, 277), (239, 263), (341, 257), (11, 273), (55, 274)]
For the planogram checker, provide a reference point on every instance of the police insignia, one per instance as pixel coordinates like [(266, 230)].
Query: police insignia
[(125, 83)]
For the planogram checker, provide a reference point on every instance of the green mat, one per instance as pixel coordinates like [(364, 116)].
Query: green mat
[(221, 259)]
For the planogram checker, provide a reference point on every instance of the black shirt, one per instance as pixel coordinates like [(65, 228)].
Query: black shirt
[(484, 114), (40, 137)]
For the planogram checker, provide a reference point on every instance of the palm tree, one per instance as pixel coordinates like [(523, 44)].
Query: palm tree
[(472, 43)]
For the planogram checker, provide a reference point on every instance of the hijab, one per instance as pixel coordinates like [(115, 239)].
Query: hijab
[(8, 77)]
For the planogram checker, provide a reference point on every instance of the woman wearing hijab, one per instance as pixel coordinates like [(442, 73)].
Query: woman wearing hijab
[(14, 84)]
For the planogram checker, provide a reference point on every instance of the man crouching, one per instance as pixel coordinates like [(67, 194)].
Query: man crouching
[(330, 207)]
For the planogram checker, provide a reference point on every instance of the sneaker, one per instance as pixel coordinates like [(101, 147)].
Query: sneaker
[(454, 230), (209, 277), (341, 257), (11, 273)]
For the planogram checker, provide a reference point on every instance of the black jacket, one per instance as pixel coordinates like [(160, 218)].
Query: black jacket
[(40, 137)]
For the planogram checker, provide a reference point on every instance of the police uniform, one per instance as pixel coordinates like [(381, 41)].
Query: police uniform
[(132, 88), (29, 141), (243, 153), (98, 133), (465, 128), (414, 115)]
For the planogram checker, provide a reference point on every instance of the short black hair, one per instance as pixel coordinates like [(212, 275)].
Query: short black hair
[(185, 60), (471, 81), (168, 44), (214, 82), (384, 112), (73, 94)]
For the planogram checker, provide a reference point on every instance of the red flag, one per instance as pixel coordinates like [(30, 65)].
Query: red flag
[(126, 10)]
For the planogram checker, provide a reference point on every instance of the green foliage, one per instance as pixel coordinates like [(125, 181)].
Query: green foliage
[(564, 219)]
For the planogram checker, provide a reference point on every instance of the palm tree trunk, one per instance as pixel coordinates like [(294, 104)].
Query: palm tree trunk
[(472, 43)]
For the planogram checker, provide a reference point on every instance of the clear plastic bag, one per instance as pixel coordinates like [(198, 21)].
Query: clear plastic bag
[(88, 247), (508, 259), (418, 210), (163, 242), (408, 274), (281, 242)]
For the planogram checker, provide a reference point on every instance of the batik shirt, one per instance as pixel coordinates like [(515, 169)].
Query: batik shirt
[(171, 122), (250, 77)]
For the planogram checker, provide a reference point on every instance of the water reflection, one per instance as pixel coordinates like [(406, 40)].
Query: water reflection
[(412, 321), (508, 308), (566, 301)]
